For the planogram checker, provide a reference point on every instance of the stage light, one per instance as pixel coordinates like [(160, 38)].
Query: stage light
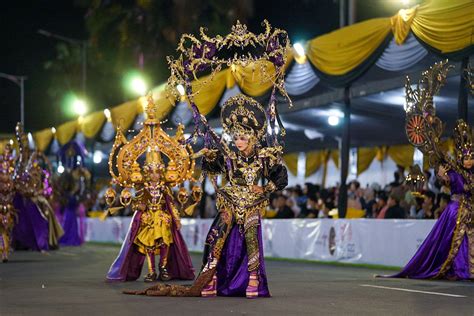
[(79, 106), (53, 130), (180, 89), (138, 85), (333, 120), (299, 49), (108, 115), (97, 157), (60, 169)]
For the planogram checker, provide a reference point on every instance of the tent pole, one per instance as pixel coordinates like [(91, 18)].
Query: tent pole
[(462, 96), (345, 147)]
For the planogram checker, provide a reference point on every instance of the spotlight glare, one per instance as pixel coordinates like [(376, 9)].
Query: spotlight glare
[(180, 89), (299, 49), (79, 106), (333, 120)]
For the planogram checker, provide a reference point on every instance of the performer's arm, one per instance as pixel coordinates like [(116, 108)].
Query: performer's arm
[(277, 178)]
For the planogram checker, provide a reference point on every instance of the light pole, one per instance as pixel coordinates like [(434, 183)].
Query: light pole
[(19, 81), (81, 43)]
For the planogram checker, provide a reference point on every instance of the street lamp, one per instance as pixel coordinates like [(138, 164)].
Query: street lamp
[(79, 106), (73, 41), (19, 81)]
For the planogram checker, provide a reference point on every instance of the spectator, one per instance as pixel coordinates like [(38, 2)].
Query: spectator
[(428, 207), (394, 209), (370, 204), (444, 199), (283, 210), (381, 206)]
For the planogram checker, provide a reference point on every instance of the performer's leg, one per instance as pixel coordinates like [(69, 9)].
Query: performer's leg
[(150, 257), (6, 246), (164, 275), (215, 240), (251, 242)]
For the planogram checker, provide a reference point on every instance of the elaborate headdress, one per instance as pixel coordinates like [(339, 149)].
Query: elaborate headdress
[(463, 141), (264, 53), (243, 115), (128, 169), (424, 129)]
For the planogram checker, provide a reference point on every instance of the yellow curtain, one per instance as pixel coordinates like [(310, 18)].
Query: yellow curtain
[(250, 78), (446, 25), (209, 94), (291, 161), (402, 155), (401, 24), (124, 114), (365, 156), (381, 153), (43, 138), (314, 160), (66, 131), (341, 51), (325, 158), (335, 157), (91, 124)]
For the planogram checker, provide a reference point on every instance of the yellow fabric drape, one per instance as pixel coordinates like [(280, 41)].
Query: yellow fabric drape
[(43, 138), (66, 131), (365, 156), (291, 162), (325, 159), (250, 78), (124, 115), (335, 157), (401, 24), (208, 95), (402, 155), (341, 51), (446, 25), (381, 153), (314, 160), (91, 124)]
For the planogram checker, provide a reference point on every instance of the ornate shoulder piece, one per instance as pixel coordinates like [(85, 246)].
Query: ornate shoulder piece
[(272, 153)]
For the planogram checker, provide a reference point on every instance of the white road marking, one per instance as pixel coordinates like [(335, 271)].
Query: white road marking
[(413, 291)]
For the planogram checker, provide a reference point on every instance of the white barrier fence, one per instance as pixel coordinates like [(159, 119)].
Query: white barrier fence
[(384, 242)]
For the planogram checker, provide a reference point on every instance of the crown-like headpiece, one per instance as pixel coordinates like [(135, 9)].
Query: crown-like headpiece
[(463, 141), (243, 115), (126, 167), (266, 54)]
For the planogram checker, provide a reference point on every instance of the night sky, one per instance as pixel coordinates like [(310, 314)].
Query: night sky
[(24, 51)]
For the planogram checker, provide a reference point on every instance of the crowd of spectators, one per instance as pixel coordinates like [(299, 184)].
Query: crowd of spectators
[(394, 201)]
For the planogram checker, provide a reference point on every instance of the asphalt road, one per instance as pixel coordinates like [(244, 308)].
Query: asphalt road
[(71, 282)]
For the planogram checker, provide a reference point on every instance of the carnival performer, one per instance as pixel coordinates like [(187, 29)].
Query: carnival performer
[(448, 250), (233, 263), (7, 193), (37, 227), (155, 225), (73, 185)]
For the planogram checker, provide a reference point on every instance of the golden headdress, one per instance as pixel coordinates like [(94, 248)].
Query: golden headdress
[(163, 153), (265, 54), (243, 115)]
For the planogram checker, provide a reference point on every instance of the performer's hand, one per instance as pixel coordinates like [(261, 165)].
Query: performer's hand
[(443, 173), (178, 224), (257, 189)]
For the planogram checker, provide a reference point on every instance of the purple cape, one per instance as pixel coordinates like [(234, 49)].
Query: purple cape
[(129, 262), (232, 268), (72, 225), (32, 229), (433, 253)]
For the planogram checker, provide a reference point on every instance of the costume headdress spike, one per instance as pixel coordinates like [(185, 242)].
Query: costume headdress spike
[(266, 53)]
